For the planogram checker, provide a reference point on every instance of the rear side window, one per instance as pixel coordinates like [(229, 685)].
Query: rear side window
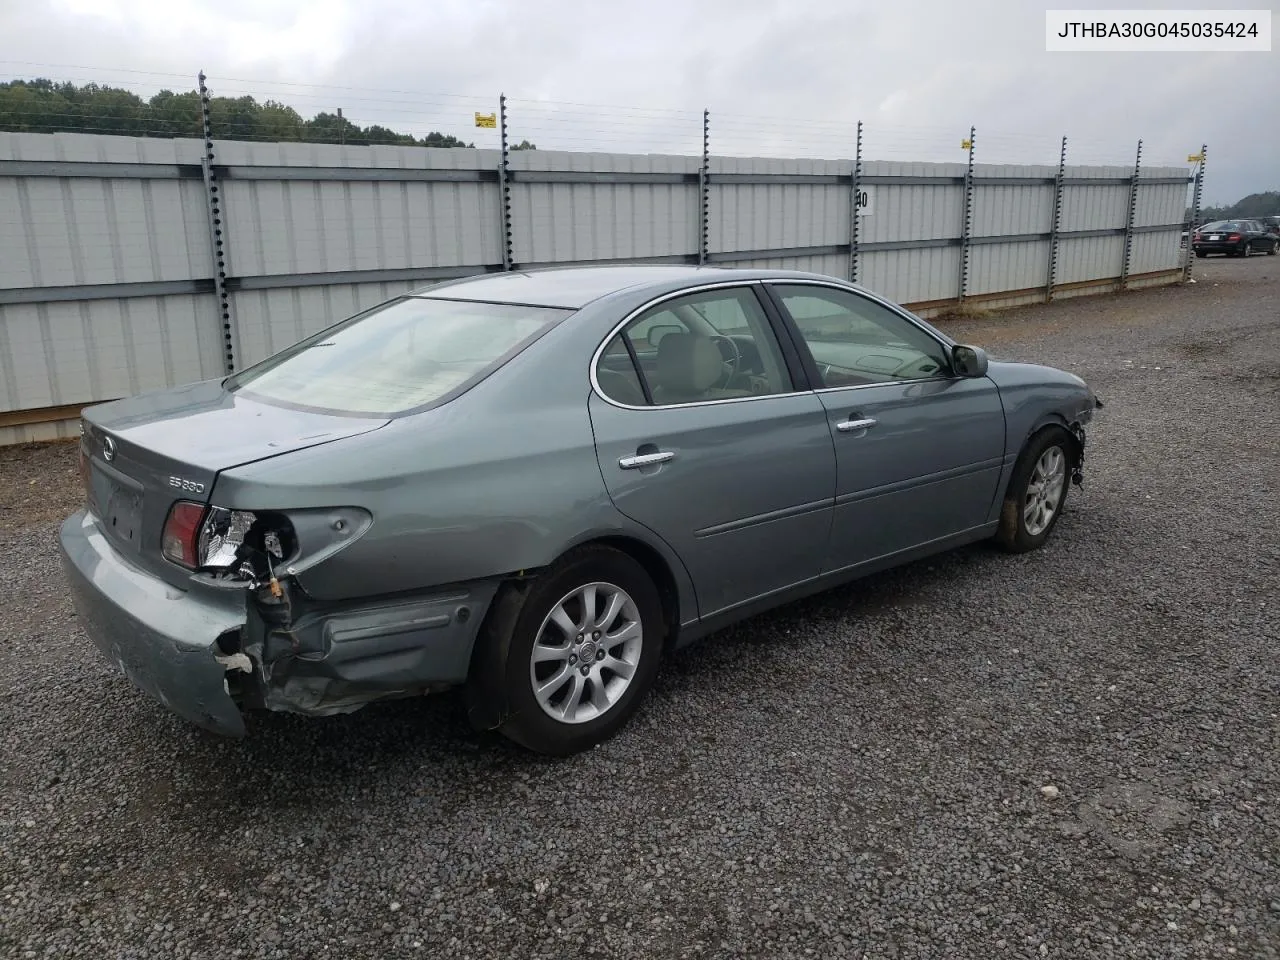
[(405, 355), (707, 346)]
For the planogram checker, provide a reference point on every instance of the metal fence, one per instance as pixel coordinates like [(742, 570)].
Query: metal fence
[(133, 263)]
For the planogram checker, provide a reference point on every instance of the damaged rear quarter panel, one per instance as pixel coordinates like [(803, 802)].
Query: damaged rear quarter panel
[(501, 479)]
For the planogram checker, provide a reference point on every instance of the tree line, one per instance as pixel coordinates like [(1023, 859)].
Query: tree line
[(46, 106), (1266, 204)]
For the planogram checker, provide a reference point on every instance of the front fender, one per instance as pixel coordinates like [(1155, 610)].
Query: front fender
[(1036, 396)]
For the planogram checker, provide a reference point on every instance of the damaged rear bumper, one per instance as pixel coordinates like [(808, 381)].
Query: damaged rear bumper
[(208, 652), (162, 638)]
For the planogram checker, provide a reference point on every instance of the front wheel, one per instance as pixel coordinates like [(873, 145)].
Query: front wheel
[(1037, 492), (581, 651)]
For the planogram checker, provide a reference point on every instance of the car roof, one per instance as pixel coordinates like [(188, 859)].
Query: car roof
[(575, 287)]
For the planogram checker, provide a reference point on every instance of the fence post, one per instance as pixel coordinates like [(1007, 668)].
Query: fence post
[(504, 186), (704, 191), (1128, 227), (217, 236), (1056, 224), (1195, 210), (854, 207), (968, 218)]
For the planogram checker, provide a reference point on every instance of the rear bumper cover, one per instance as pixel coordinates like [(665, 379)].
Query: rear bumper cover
[(162, 638), (165, 639), (1218, 246)]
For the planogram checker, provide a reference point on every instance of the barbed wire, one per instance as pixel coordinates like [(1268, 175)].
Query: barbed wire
[(569, 125)]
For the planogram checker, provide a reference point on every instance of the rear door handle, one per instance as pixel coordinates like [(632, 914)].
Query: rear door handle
[(848, 426), (645, 460)]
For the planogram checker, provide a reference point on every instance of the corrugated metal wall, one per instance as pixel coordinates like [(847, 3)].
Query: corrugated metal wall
[(71, 232), (574, 222), (767, 216), (316, 232)]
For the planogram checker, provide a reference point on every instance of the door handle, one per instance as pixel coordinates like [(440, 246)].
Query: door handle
[(645, 460), (848, 426)]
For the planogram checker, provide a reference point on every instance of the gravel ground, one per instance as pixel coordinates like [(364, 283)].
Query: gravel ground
[(863, 774)]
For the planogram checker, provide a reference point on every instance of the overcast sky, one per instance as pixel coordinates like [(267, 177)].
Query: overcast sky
[(781, 77)]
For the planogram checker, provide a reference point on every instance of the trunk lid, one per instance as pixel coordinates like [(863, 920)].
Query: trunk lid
[(144, 453)]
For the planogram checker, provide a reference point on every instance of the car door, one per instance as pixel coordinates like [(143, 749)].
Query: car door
[(703, 437), (918, 450), (1258, 236)]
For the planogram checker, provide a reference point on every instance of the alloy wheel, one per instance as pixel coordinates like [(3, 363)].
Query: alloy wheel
[(1044, 491), (586, 653)]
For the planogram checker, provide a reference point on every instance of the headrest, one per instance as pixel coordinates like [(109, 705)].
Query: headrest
[(687, 364)]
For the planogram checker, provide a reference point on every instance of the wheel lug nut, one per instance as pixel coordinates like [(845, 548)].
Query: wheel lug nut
[(595, 635), (599, 654), (573, 658), (585, 669)]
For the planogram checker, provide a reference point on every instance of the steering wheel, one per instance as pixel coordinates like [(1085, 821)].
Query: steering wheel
[(734, 362)]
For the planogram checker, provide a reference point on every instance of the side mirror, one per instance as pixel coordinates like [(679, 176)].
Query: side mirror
[(969, 361)]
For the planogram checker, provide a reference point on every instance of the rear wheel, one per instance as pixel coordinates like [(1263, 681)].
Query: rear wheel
[(1201, 254), (1244, 250), (1037, 491), (581, 653), (1275, 245)]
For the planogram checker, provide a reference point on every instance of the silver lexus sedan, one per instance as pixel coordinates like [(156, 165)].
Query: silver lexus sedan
[(536, 485)]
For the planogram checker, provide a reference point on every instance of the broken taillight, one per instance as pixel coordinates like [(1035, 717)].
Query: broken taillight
[(222, 536), (180, 540)]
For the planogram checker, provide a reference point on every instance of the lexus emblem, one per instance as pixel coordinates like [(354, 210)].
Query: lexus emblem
[(108, 449)]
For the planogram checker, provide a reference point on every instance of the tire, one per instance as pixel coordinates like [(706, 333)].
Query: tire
[(1201, 254), (606, 698), (1016, 533), (1275, 245), (1244, 250)]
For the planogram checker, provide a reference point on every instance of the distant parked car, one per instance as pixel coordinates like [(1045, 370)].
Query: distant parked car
[(537, 484), (1272, 226), (1235, 238)]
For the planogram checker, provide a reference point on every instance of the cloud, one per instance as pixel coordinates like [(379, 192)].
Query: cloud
[(785, 76)]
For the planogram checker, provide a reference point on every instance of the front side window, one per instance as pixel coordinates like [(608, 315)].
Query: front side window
[(407, 354), (856, 341), (713, 345)]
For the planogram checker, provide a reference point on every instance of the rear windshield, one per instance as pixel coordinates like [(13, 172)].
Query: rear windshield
[(1223, 225), (396, 358)]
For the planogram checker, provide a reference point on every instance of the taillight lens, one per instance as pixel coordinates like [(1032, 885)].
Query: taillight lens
[(1196, 238), (1234, 236), (180, 540)]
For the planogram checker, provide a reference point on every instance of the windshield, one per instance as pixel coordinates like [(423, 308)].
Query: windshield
[(405, 355), (1222, 225)]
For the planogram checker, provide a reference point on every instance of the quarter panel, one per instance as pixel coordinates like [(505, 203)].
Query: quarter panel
[(454, 497)]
